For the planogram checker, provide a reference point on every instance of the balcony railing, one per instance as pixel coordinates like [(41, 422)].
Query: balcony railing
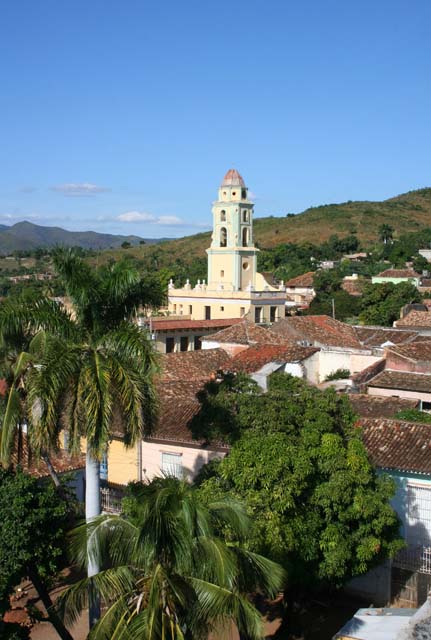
[(110, 498), (414, 558)]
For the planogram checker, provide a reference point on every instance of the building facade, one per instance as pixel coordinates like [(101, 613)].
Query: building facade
[(234, 288)]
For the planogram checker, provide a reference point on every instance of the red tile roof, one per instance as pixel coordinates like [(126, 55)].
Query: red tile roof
[(415, 319), (233, 179), (193, 365), (166, 324), (362, 377), (380, 406), (252, 359), (61, 461), (376, 336), (304, 280), (398, 273), (247, 333), (395, 444), (415, 351), (318, 330), (420, 382)]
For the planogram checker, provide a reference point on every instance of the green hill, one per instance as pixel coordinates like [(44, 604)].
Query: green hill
[(404, 213)]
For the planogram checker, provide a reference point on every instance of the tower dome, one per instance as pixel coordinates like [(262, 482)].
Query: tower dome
[(233, 179)]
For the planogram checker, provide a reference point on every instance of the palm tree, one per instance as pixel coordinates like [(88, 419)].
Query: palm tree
[(385, 233), (167, 572), (96, 366)]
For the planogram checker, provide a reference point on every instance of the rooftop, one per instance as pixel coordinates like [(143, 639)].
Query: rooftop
[(398, 273), (420, 382), (377, 336), (380, 406), (396, 444), (62, 461), (252, 359), (415, 319), (166, 324), (304, 280), (247, 333), (322, 330), (233, 179), (416, 351), (193, 365)]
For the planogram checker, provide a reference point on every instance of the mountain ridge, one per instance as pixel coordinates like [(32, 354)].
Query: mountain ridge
[(25, 236)]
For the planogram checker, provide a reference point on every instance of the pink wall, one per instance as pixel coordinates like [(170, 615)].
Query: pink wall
[(396, 363)]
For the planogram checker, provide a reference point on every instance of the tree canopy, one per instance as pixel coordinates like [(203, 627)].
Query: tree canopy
[(299, 465), (381, 303)]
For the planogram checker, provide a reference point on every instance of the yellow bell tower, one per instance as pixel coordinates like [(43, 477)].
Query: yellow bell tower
[(232, 256)]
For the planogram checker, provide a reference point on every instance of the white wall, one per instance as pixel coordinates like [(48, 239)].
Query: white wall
[(192, 458), (330, 361)]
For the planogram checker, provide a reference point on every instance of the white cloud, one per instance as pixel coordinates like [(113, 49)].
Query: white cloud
[(137, 216), (170, 220), (73, 189), (143, 216)]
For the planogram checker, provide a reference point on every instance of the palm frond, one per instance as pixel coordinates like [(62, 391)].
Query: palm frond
[(9, 425)]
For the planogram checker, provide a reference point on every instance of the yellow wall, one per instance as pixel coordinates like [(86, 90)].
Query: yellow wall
[(122, 463)]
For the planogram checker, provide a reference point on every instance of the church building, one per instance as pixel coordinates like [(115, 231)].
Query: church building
[(234, 288)]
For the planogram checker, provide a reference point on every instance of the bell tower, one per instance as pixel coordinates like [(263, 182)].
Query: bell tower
[(232, 256)]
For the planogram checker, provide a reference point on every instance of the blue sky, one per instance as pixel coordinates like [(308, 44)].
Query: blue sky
[(124, 116)]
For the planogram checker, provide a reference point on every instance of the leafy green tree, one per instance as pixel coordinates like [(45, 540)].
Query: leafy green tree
[(168, 574), (317, 505), (125, 245), (33, 522), (338, 374), (94, 368), (420, 264), (381, 303), (413, 415)]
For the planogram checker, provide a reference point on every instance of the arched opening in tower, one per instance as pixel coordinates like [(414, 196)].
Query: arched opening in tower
[(245, 237), (223, 237)]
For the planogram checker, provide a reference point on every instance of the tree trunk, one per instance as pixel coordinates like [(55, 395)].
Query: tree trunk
[(92, 510), (54, 618), (52, 472)]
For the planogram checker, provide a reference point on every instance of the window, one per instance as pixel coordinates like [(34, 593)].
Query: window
[(197, 343), (172, 465), (175, 308), (222, 273), (223, 237), (184, 343), (234, 193), (425, 406), (245, 237), (245, 216), (181, 309), (258, 314), (221, 308), (272, 314), (243, 194), (222, 215), (245, 266), (190, 309), (103, 472), (170, 345), (207, 313)]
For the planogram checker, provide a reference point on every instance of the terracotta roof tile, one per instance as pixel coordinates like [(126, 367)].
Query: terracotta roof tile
[(320, 330), (417, 351), (420, 382), (61, 461), (167, 324), (415, 319), (254, 358), (304, 280), (376, 336), (395, 444), (398, 273), (193, 365), (370, 372), (233, 179), (380, 406), (247, 333)]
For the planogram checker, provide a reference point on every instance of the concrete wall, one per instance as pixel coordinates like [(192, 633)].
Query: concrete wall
[(399, 393), (122, 463), (330, 361), (397, 363), (192, 458)]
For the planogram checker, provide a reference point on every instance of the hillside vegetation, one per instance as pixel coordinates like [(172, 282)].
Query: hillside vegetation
[(405, 213)]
